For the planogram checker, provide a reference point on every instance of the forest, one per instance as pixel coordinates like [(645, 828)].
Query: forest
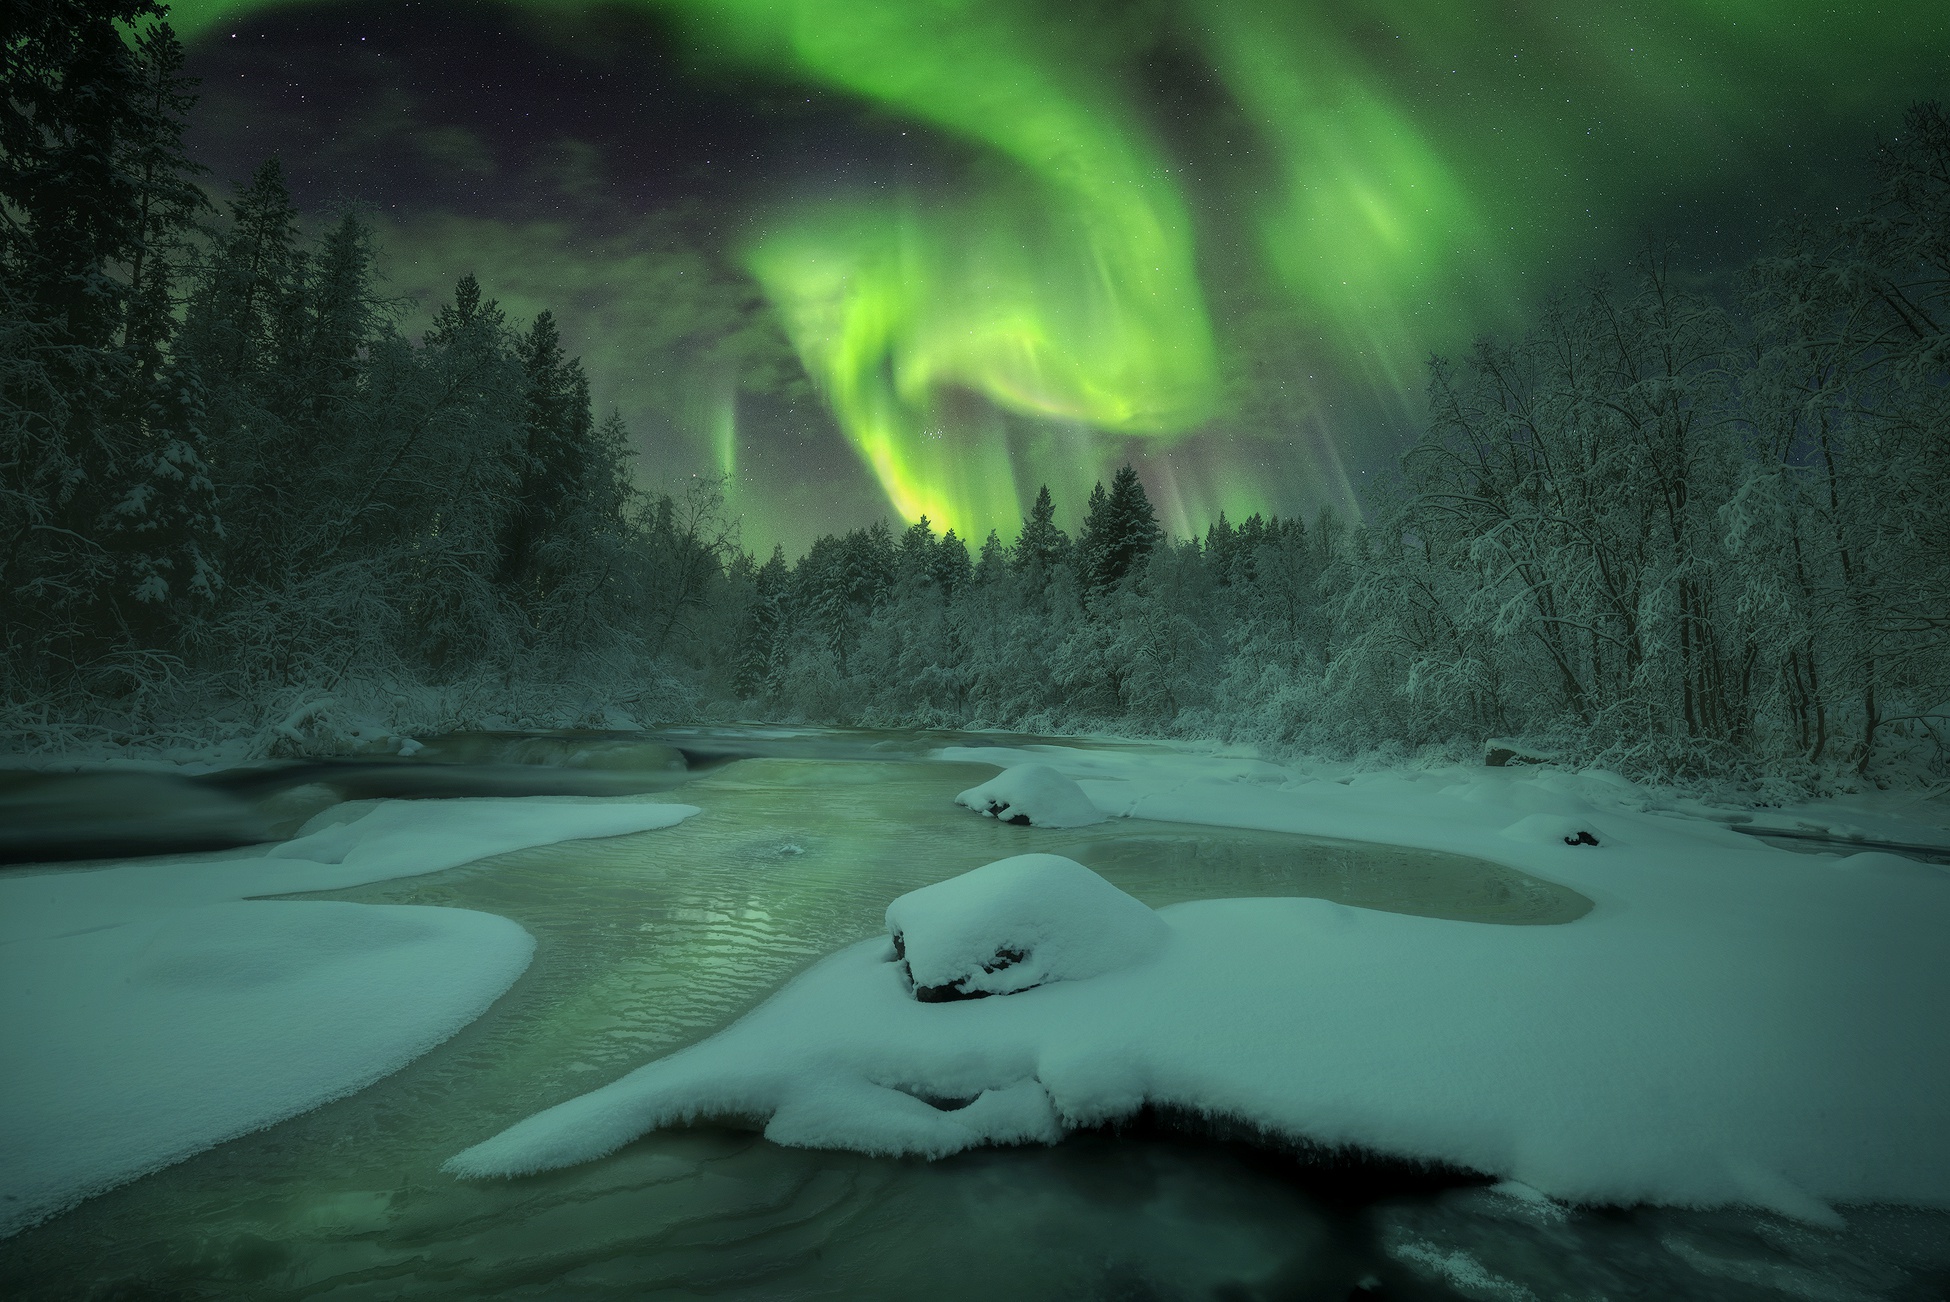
[(1692, 532)]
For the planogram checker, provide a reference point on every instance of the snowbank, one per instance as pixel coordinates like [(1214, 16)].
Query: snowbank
[(148, 1013), (348, 845), (1016, 924), (1731, 1024), (1035, 794)]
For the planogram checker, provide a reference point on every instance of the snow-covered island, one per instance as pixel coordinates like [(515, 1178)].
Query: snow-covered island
[(1732, 1023)]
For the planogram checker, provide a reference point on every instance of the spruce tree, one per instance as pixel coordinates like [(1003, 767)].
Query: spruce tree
[(227, 355), (1221, 544), (993, 562), (1119, 532), (554, 464), (915, 561), (1041, 546), (950, 567), (98, 198), (758, 656)]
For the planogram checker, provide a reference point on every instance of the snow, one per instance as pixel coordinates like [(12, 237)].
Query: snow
[(1552, 829), (348, 845), (150, 1011), (1731, 1024), (1018, 923), (1035, 794)]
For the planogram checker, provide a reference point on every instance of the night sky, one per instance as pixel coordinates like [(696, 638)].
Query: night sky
[(880, 258)]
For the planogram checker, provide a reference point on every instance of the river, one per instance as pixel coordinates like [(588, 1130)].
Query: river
[(649, 942)]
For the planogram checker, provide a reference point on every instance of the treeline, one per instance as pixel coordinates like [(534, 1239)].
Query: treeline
[(1682, 535), (233, 496), (1678, 535)]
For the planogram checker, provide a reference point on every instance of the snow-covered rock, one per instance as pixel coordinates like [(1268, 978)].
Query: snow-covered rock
[(1553, 829), (1035, 794), (1016, 924)]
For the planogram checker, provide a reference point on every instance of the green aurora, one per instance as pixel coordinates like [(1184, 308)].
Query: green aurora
[(1366, 181)]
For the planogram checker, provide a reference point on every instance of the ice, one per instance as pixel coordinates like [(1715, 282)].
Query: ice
[(149, 1011), (1732, 1024), (1035, 794), (1015, 924)]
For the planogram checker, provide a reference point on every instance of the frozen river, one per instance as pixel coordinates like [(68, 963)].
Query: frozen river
[(652, 941)]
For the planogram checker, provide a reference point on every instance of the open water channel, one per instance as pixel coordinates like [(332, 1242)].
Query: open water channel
[(650, 942)]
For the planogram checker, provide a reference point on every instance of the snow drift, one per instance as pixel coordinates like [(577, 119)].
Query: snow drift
[(150, 1012)]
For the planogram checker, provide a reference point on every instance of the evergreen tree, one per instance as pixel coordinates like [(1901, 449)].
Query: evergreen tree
[(1221, 548), (993, 565), (949, 567), (1119, 532), (226, 356), (333, 317), (555, 459), (915, 562), (1041, 547), (758, 656), (105, 501)]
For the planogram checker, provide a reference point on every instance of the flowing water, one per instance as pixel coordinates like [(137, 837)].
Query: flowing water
[(650, 942)]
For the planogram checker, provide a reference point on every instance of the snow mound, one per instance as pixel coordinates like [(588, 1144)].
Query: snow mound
[(1035, 794), (1016, 924)]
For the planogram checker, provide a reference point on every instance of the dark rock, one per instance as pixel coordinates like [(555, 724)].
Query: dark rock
[(953, 992)]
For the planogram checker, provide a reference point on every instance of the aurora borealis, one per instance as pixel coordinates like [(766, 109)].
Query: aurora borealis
[(875, 256)]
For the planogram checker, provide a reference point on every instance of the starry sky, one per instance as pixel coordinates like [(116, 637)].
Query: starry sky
[(891, 258)]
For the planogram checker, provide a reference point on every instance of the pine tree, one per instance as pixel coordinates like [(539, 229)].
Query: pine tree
[(169, 202), (1221, 547), (1041, 546), (336, 319), (226, 357), (949, 567), (915, 560), (1119, 532), (758, 656), (554, 463), (103, 498), (163, 523), (993, 564)]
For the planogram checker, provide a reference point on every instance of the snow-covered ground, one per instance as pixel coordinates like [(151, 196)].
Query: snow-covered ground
[(150, 1010), (1731, 1024)]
